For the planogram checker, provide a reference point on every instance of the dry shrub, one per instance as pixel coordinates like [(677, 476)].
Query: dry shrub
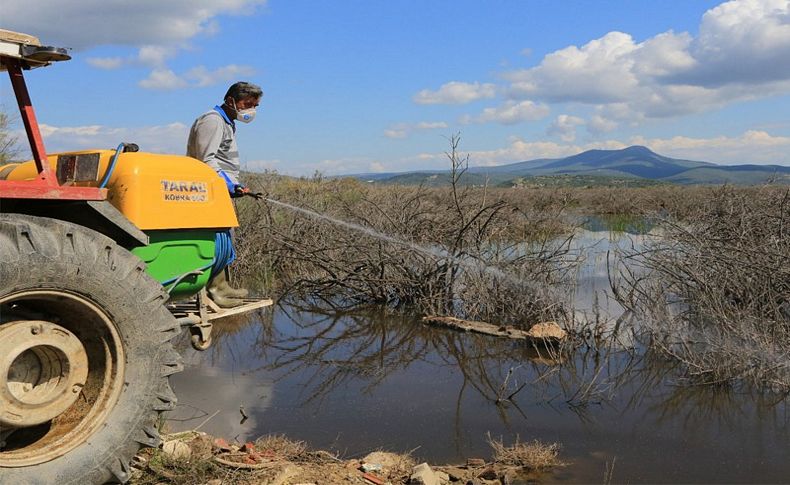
[(201, 467), (534, 456), (676, 200), (715, 292), (394, 466), (281, 447), (456, 251), (476, 253), (162, 468)]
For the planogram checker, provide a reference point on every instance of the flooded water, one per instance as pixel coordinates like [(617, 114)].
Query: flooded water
[(354, 383)]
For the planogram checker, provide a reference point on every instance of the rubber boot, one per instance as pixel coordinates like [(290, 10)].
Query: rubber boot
[(218, 296), (230, 291)]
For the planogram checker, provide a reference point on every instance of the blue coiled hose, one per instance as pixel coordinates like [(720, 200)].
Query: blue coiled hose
[(224, 252), (224, 255), (114, 160)]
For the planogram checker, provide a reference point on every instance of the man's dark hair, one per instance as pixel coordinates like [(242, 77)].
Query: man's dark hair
[(241, 90)]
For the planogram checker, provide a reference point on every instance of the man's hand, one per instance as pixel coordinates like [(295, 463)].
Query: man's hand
[(241, 191)]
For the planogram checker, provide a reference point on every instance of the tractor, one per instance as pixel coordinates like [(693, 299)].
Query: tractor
[(104, 259)]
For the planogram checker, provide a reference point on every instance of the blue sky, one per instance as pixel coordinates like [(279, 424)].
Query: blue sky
[(358, 86)]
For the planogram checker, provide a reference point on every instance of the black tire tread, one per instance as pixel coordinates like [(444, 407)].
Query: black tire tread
[(58, 249)]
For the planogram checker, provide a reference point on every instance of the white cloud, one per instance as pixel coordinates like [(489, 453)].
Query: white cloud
[(599, 124), (162, 79), (148, 55), (158, 29), (599, 71), (430, 125), (170, 138), (510, 113), (517, 150), (520, 150), (564, 126), (456, 92), (395, 133), (154, 55), (753, 146), (201, 77), (262, 165), (664, 54), (228, 392), (753, 33), (430, 156), (90, 130), (742, 52), (334, 166), (402, 130), (107, 63), (83, 24)]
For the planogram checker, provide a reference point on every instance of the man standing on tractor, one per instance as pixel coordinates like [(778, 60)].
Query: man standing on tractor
[(212, 139)]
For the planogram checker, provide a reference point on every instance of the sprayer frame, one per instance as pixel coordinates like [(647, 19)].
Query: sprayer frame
[(45, 185)]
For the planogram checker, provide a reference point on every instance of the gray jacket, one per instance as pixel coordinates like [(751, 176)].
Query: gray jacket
[(212, 139)]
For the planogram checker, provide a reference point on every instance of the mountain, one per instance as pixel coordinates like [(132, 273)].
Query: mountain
[(734, 174), (514, 167), (634, 162)]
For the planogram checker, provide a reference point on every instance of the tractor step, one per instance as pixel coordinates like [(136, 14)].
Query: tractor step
[(214, 312), (198, 313)]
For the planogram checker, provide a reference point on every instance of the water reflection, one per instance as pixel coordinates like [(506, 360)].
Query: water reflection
[(216, 384), (369, 346), (360, 381), (617, 224)]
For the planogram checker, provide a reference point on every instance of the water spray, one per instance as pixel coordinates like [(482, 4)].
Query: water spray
[(435, 252)]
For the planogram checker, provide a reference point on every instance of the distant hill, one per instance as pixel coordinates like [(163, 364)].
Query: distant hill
[(635, 162), (738, 174), (515, 167)]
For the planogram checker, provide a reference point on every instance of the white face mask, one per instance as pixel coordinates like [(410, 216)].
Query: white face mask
[(245, 115)]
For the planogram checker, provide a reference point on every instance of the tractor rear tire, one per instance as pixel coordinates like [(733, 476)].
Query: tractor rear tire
[(63, 281)]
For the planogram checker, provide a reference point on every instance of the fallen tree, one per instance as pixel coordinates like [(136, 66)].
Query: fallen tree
[(544, 332)]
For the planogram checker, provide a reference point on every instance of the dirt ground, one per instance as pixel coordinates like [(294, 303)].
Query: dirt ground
[(197, 458)]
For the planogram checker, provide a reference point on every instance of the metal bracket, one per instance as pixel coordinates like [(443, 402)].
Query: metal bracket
[(201, 332), (199, 313)]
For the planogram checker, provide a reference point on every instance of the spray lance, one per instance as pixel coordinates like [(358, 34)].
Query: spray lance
[(242, 192), (427, 250)]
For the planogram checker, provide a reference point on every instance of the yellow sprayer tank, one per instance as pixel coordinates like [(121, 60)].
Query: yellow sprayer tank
[(181, 204), (153, 191)]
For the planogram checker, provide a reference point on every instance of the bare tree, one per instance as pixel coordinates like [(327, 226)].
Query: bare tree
[(715, 290), (9, 143), (442, 251)]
